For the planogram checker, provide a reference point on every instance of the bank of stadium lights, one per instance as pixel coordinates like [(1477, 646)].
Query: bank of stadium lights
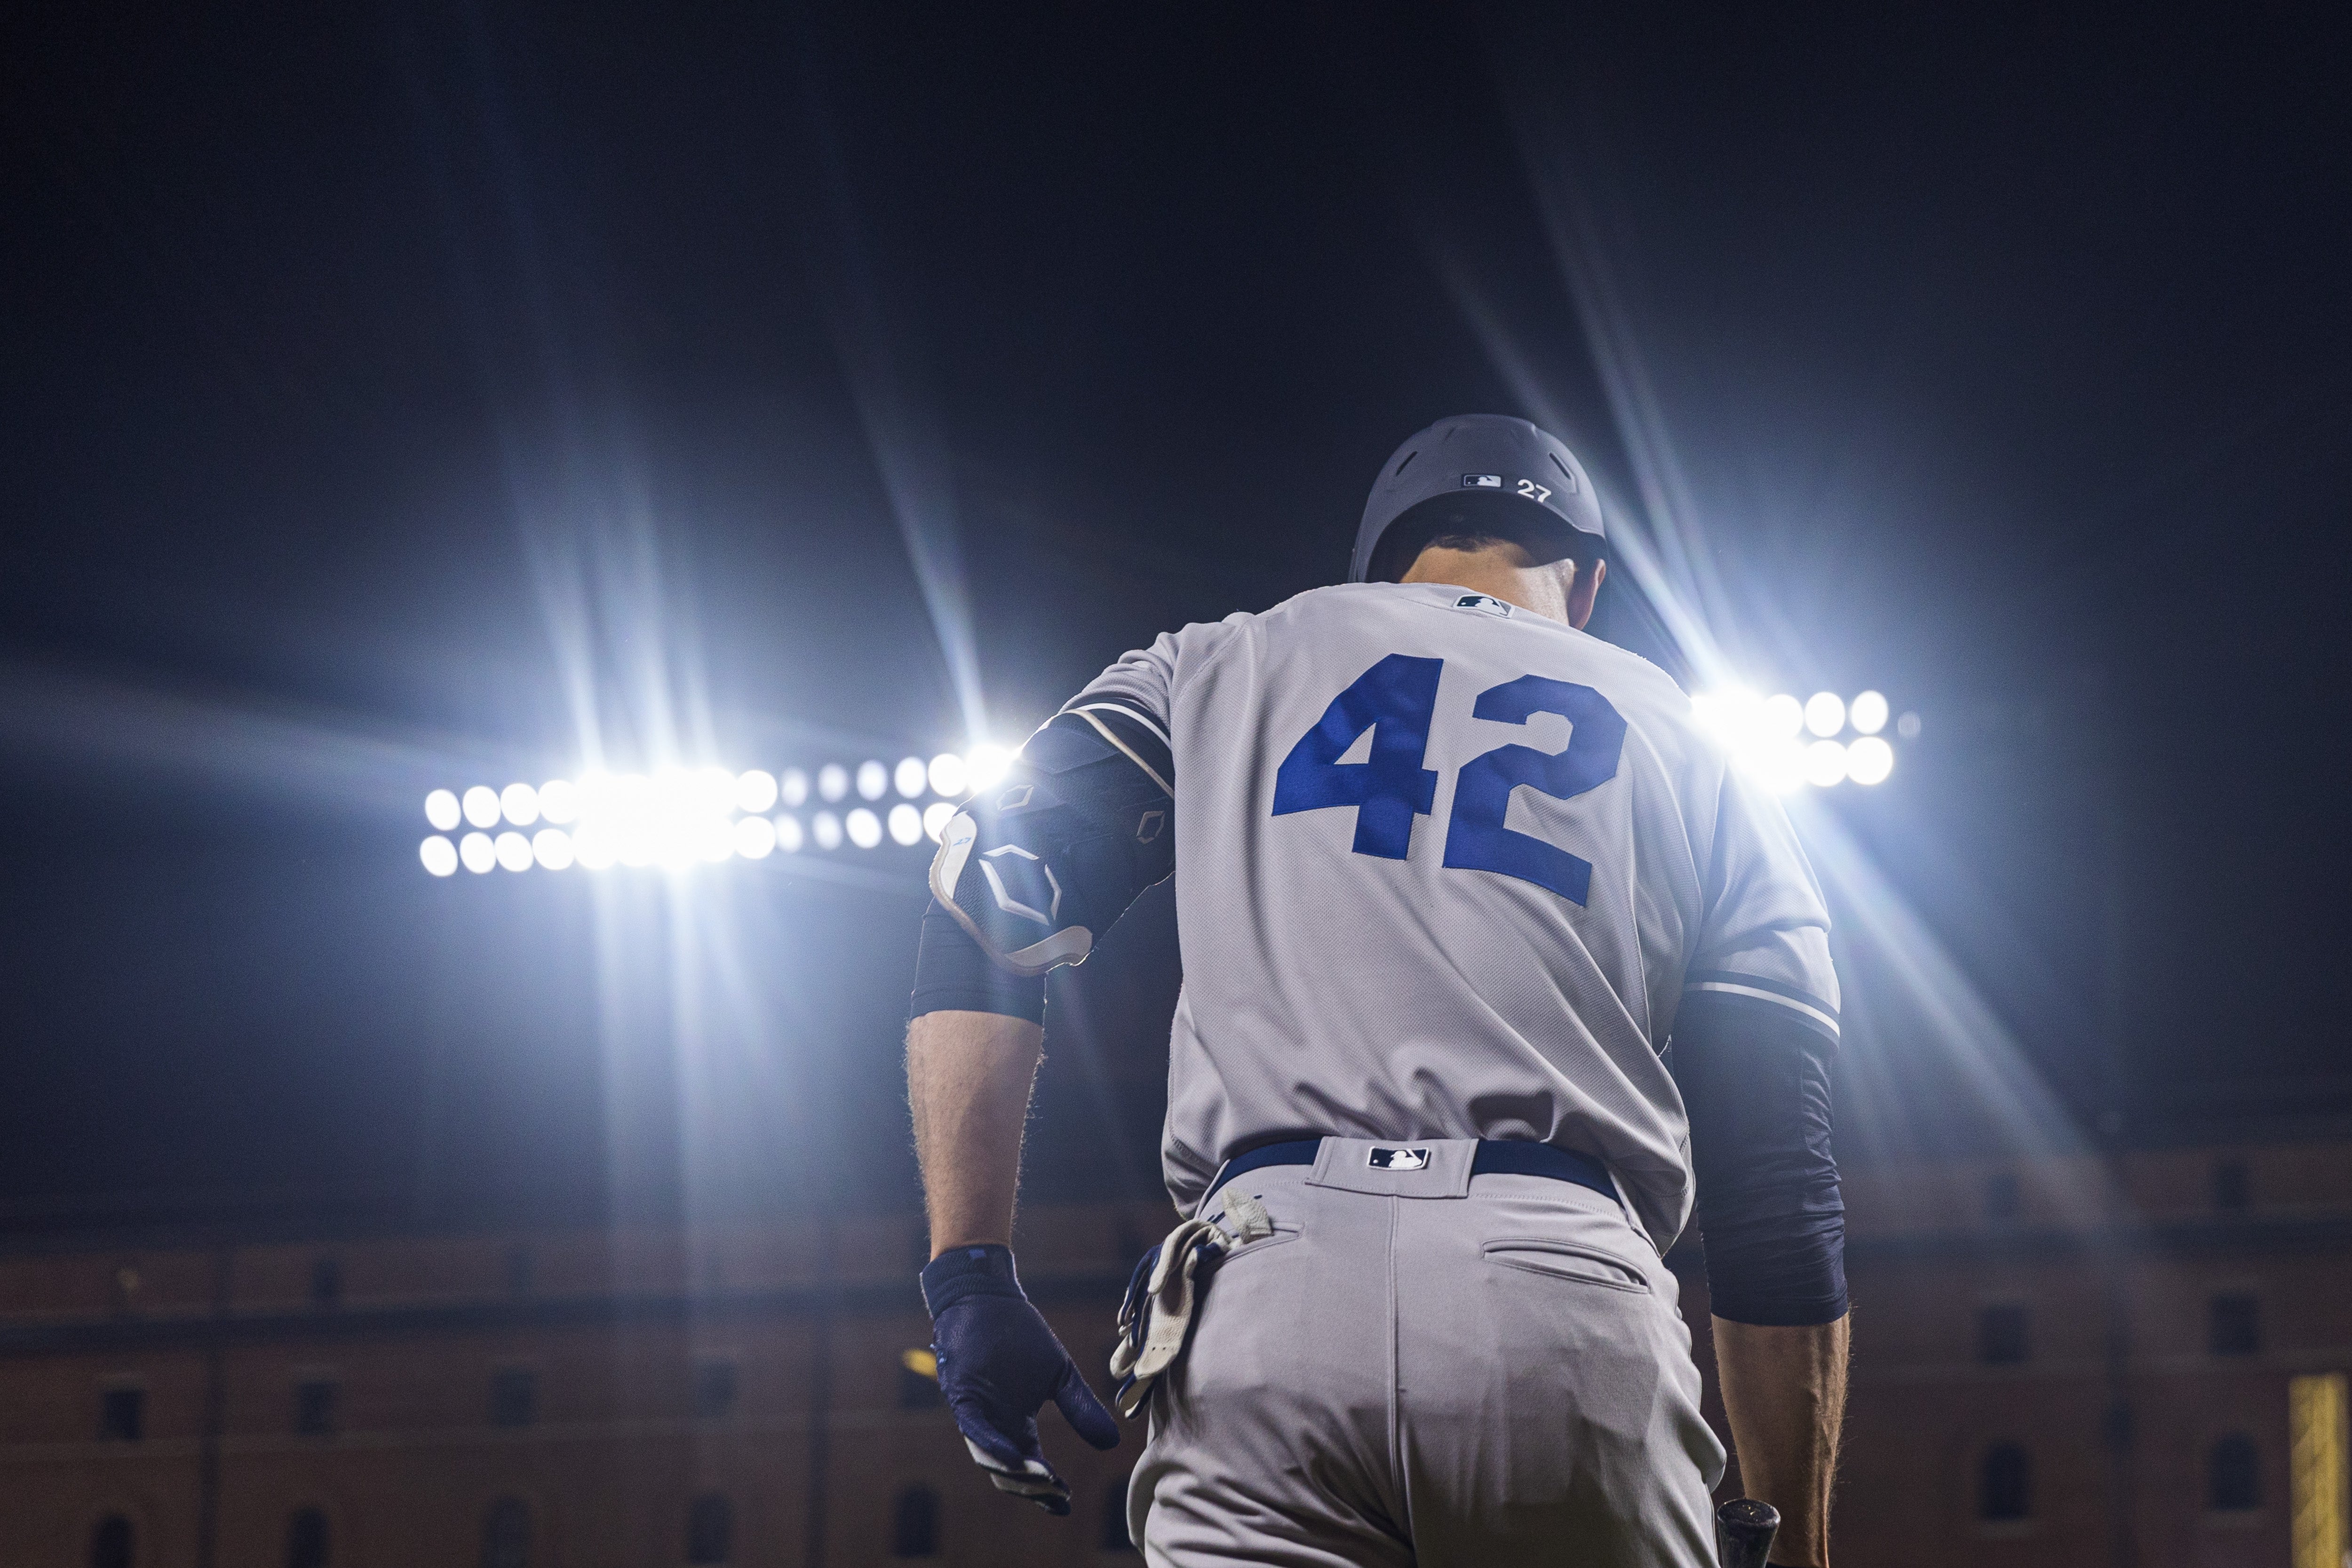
[(681, 817), (1821, 742)]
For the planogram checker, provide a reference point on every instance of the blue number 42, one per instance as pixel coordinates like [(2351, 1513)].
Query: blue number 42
[(1395, 699)]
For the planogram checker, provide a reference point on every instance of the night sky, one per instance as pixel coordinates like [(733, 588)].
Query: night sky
[(414, 396)]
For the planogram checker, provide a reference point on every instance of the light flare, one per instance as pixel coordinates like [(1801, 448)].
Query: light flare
[(985, 765)]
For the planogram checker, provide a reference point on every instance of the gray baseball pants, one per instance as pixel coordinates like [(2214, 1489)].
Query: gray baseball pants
[(1425, 1368)]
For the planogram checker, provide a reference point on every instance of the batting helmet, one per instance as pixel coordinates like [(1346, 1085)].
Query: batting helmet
[(1476, 468)]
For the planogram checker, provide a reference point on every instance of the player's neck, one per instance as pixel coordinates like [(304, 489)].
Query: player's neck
[(1504, 572)]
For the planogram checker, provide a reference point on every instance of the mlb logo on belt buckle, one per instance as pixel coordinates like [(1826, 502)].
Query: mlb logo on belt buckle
[(1397, 1159)]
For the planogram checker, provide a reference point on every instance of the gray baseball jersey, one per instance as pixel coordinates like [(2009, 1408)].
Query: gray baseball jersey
[(1444, 868)]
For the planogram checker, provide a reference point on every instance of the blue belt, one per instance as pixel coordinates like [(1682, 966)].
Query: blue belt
[(1506, 1157)]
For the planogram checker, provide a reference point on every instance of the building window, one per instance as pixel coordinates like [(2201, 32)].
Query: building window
[(914, 1523), (326, 1282), (2232, 1191), (2234, 1325), (2003, 1335), (1114, 1524), (514, 1397), (710, 1530), (306, 1539), (113, 1544), (2233, 1475), (2000, 1196), (122, 1414), (714, 1390), (506, 1534), (314, 1406), (2005, 1484)]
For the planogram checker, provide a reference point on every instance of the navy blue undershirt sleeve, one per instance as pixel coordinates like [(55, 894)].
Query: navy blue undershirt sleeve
[(952, 974), (1755, 1081)]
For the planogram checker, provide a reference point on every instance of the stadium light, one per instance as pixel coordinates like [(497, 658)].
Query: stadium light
[(558, 802), (1787, 744), (551, 847), (475, 850), (1867, 713), (755, 838), (678, 819), (1824, 763), (519, 802), (755, 791)]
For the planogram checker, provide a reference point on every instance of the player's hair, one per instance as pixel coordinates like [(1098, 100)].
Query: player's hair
[(1475, 520)]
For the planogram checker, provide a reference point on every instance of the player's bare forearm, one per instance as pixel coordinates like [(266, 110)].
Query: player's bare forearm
[(968, 1076), (1784, 1390)]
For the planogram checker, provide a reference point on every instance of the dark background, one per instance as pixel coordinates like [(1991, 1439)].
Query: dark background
[(416, 395)]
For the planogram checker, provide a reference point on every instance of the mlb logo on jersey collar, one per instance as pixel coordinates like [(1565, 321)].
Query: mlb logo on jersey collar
[(1484, 603), (1397, 1159)]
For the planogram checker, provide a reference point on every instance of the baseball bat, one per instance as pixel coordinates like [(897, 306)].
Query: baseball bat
[(1744, 1529)]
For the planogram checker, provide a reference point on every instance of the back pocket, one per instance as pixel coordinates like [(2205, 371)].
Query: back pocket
[(1283, 1231), (1566, 1261)]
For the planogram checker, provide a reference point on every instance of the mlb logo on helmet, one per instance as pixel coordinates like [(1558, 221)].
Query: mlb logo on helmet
[(1482, 481), (1397, 1159)]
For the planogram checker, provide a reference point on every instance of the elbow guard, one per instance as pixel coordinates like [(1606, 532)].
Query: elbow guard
[(1039, 866)]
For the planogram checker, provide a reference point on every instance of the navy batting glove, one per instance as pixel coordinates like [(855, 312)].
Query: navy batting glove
[(998, 1364)]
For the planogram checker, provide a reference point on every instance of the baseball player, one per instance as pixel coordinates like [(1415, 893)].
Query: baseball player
[(1495, 964)]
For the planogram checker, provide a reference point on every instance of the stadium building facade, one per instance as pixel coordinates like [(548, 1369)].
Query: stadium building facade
[(2137, 1359)]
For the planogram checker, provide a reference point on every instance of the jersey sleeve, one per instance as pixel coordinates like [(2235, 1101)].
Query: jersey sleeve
[(1764, 934), (1135, 694)]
